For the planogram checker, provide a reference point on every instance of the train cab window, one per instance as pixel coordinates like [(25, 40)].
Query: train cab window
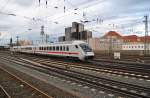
[(76, 46), (85, 48), (60, 48), (63, 48), (47, 48), (53, 48), (57, 48), (67, 48)]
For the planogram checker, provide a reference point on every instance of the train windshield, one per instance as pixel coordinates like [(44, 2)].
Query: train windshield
[(85, 48)]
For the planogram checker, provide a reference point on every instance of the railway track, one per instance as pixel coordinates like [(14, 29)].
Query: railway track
[(3, 93), (27, 89), (131, 91), (106, 67), (131, 67)]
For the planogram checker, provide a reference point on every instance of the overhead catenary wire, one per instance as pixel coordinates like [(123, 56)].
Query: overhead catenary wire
[(5, 5)]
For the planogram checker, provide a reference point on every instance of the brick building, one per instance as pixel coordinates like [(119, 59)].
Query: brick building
[(113, 41)]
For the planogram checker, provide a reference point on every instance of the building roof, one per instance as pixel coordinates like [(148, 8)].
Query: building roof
[(142, 39), (129, 38), (112, 33)]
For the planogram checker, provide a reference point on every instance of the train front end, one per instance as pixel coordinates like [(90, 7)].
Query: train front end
[(86, 51)]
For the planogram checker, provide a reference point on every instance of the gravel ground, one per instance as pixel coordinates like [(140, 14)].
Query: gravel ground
[(50, 83), (46, 87), (15, 88)]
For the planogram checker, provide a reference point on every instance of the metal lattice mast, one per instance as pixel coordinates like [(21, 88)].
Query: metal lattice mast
[(146, 43)]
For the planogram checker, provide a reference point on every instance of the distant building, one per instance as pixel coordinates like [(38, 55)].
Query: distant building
[(61, 38), (110, 42), (24, 42), (135, 43), (113, 41), (77, 27), (77, 32), (68, 32), (94, 43)]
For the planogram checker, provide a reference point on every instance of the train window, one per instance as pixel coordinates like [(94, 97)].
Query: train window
[(76, 46), (67, 48), (63, 48), (57, 48), (53, 48), (50, 48), (47, 48), (60, 48)]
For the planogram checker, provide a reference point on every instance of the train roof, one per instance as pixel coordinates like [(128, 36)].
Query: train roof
[(57, 43), (64, 43)]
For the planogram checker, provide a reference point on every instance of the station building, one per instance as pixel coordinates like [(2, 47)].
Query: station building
[(114, 42), (111, 41)]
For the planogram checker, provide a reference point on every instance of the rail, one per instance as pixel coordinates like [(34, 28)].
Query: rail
[(29, 85)]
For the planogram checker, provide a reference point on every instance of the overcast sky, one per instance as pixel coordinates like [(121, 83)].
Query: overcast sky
[(18, 16)]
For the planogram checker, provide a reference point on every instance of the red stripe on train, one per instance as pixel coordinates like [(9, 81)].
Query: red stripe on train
[(76, 53)]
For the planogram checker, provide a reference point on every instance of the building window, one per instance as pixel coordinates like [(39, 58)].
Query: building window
[(138, 46), (142, 46)]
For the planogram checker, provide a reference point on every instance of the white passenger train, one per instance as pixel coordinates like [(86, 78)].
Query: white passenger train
[(72, 49)]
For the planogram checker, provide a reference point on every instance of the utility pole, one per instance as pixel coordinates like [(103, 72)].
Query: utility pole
[(47, 38), (110, 45), (17, 41), (146, 43), (42, 34), (11, 42)]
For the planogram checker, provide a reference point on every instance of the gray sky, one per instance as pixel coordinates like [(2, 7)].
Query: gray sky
[(126, 15)]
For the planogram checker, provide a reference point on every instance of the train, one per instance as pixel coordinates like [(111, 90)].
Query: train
[(71, 49)]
